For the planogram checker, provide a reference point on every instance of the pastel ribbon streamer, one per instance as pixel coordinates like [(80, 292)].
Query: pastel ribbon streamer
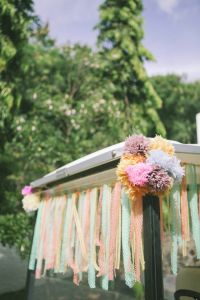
[(193, 204), (175, 226), (36, 237), (65, 241), (106, 204), (185, 226), (84, 231), (138, 228), (80, 256), (43, 229), (128, 268), (113, 227), (91, 269)]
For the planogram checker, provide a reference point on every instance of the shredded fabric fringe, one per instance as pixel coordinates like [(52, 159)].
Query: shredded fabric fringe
[(95, 230)]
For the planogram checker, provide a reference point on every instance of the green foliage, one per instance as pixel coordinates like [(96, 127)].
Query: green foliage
[(123, 55), (138, 291), (16, 230), (65, 111), (181, 103), (15, 18)]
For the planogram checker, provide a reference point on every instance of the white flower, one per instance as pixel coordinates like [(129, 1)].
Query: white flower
[(92, 130), (21, 120), (114, 102), (73, 111), (70, 112), (117, 114), (19, 128), (102, 101), (35, 96), (76, 126), (22, 248), (48, 101)]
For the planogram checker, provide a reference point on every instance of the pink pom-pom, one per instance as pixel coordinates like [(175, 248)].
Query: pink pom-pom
[(136, 144), (27, 190), (138, 174)]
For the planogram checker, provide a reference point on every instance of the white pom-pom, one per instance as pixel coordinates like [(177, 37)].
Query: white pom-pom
[(31, 202)]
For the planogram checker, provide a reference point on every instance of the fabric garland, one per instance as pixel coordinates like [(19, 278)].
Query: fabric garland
[(100, 229), (85, 231)]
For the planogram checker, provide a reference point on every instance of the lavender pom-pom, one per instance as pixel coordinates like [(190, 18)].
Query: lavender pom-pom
[(175, 169), (159, 180), (158, 157), (136, 144), (169, 163)]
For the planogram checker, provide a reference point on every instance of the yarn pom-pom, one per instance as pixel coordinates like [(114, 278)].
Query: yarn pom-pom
[(138, 174), (169, 163), (136, 144), (27, 190), (31, 202), (158, 143), (159, 180)]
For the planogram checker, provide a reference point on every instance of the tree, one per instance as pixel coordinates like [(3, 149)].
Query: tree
[(123, 56), (15, 19), (180, 106), (65, 112)]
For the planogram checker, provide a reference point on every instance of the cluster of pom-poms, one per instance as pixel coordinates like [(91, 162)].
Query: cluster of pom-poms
[(148, 166)]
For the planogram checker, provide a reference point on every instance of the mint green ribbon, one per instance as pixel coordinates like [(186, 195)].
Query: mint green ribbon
[(193, 205), (175, 228), (36, 237), (126, 219)]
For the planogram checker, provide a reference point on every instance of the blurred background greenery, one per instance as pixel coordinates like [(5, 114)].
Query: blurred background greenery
[(58, 103)]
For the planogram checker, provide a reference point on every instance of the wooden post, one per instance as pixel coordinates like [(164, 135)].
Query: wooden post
[(30, 280), (152, 249)]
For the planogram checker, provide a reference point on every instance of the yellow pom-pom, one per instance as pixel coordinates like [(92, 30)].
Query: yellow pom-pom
[(127, 160), (159, 143)]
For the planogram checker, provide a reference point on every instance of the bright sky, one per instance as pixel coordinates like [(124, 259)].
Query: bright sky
[(172, 30)]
